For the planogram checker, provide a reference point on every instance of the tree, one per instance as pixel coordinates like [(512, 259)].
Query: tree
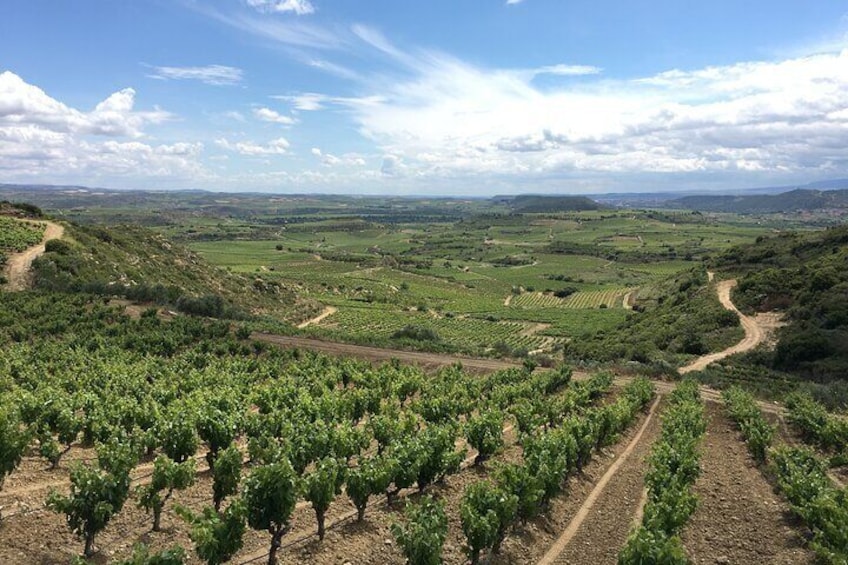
[(437, 455), (97, 494), (270, 494), (167, 476), (423, 532), (216, 536), (13, 441), (59, 419), (321, 487), (226, 474)]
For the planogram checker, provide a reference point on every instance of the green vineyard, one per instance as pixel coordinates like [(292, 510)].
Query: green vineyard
[(479, 333), (611, 298), (15, 236)]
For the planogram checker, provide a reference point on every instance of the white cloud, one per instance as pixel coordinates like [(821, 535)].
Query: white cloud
[(347, 160), (43, 139), (567, 70), (307, 101), (277, 146), (442, 117), (513, 2), (216, 75), (269, 115), (24, 104), (299, 7)]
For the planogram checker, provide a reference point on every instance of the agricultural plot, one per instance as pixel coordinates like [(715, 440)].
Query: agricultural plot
[(16, 236), (477, 335), (610, 298), (464, 270), (338, 440)]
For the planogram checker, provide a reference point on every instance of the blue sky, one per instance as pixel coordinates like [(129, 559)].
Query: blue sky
[(454, 97)]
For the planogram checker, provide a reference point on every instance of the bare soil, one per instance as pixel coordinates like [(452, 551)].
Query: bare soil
[(739, 518), (33, 534), (376, 354), (600, 529)]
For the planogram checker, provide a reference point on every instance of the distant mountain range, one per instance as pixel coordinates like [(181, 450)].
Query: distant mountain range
[(821, 195), (793, 201)]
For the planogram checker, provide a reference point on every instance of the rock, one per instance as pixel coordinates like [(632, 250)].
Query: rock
[(722, 560)]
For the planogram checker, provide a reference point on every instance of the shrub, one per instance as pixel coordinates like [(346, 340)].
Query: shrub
[(417, 333), (423, 532)]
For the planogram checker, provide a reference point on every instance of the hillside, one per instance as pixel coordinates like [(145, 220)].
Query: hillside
[(792, 201), (529, 203), (135, 263), (804, 276), (673, 321)]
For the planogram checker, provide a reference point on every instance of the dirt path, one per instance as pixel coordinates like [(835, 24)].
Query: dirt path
[(328, 311), (754, 333), (508, 299), (739, 517), (626, 301), (377, 354), (18, 264), (599, 529)]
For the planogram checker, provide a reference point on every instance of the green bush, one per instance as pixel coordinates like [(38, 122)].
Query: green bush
[(422, 533)]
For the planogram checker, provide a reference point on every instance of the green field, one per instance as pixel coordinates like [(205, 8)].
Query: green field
[(483, 283)]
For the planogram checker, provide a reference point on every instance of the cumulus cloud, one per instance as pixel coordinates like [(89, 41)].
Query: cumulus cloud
[(43, 138), (25, 104), (215, 75), (299, 7), (269, 115), (277, 146)]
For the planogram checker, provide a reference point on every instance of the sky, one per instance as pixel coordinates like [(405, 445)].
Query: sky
[(436, 97)]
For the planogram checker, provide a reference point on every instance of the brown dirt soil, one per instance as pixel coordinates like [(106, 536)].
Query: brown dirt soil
[(739, 517), (18, 264), (33, 534), (377, 354), (599, 537)]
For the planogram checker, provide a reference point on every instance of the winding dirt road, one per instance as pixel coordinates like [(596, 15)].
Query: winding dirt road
[(18, 264), (754, 333)]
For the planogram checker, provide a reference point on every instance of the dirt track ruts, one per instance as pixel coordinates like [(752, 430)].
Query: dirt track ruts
[(379, 354), (618, 496), (18, 264), (739, 518)]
